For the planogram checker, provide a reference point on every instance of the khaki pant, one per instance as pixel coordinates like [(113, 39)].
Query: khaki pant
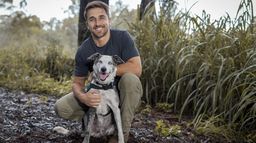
[(130, 95)]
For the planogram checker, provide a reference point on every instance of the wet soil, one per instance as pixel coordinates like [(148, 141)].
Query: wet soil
[(30, 118)]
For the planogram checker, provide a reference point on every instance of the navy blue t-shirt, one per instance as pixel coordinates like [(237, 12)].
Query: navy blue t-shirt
[(120, 43)]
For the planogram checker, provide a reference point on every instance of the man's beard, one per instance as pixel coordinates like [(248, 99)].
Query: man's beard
[(97, 36)]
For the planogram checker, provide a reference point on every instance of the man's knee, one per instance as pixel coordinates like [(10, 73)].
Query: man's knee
[(68, 108), (62, 110), (130, 82), (130, 95)]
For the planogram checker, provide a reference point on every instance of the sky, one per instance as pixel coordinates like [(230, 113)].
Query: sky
[(47, 9), (216, 8)]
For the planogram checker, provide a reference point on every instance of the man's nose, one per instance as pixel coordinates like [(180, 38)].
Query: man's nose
[(97, 22)]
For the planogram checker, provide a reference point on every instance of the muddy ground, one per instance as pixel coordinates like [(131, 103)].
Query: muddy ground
[(30, 118)]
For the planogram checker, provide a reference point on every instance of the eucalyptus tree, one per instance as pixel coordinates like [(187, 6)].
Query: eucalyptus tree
[(8, 4)]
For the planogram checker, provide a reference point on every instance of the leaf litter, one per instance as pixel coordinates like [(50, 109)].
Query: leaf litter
[(30, 118)]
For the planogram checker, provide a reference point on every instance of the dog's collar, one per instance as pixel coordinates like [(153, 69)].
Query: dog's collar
[(101, 86)]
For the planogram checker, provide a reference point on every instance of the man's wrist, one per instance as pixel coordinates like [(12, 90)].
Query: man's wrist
[(78, 94)]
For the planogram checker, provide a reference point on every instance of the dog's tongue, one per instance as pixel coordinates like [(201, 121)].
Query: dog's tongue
[(103, 76)]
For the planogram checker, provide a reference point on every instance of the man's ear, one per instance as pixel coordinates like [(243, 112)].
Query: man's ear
[(109, 21), (86, 24), (117, 60)]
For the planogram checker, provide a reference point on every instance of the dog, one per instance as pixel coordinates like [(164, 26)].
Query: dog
[(106, 118)]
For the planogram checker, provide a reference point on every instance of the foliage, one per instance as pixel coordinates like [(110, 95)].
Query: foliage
[(35, 59), (251, 137), (121, 16), (7, 4), (162, 128), (147, 109), (164, 107), (175, 130), (215, 127), (19, 72), (204, 67), (165, 130)]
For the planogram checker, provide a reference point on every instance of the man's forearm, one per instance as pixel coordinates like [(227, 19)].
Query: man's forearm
[(78, 90), (78, 86), (133, 65), (128, 67)]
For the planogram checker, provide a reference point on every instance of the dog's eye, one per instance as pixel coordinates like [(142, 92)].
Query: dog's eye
[(100, 61), (110, 63)]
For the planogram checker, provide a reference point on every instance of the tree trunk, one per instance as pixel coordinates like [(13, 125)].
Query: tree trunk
[(83, 32), (144, 5)]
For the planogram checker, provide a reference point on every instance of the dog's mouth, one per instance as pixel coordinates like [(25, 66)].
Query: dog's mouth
[(103, 76)]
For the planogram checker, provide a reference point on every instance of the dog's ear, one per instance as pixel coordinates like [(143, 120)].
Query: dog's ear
[(117, 60), (93, 57), (91, 60)]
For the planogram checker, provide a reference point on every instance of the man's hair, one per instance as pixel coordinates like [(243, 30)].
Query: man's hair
[(96, 4)]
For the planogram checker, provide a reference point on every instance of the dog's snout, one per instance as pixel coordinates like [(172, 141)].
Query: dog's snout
[(103, 69)]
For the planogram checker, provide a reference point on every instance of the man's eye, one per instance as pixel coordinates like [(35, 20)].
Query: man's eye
[(92, 19), (103, 17)]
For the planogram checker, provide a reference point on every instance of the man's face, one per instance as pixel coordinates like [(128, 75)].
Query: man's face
[(98, 22)]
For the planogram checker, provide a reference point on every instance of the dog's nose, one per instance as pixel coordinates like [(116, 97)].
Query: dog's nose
[(103, 69)]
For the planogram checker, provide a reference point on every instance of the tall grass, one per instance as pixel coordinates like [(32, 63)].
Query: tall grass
[(205, 67)]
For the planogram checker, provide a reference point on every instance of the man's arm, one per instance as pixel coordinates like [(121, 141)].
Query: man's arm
[(90, 98), (133, 65), (78, 86)]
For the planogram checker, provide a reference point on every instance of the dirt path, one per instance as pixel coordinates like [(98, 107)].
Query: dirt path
[(30, 118)]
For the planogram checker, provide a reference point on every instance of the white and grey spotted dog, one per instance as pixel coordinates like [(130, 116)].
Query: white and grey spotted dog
[(106, 118)]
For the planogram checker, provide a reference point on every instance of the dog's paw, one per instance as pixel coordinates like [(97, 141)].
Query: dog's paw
[(60, 130)]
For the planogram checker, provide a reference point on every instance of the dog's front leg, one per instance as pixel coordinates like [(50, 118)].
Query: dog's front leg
[(88, 121), (117, 116)]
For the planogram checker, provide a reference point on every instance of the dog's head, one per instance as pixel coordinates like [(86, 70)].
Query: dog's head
[(104, 67)]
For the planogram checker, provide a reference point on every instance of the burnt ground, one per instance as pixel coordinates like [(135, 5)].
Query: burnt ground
[(30, 118)]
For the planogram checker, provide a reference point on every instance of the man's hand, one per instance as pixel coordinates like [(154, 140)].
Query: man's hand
[(91, 98)]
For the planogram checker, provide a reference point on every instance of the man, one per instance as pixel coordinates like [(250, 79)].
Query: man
[(109, 42)]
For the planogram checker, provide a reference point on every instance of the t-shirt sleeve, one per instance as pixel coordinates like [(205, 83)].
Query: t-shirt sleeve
[(81, 68), (129, 50)]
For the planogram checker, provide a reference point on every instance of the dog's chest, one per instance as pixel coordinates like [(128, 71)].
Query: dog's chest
[(109, 99), (103, 123)]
